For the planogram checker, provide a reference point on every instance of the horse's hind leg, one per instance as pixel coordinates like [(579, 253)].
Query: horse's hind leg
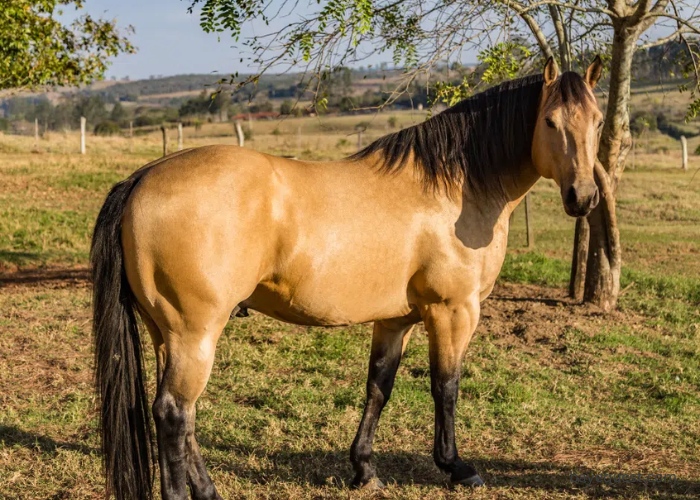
[(188, 363), (388, 342), (158, 344), (201, 485)]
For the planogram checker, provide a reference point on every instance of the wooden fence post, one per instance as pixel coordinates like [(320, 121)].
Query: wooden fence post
[(359, 140), (179, 136), (83, 125), (634, 154), (299, 141), (239, 133), (528, 223), (684, 145), (131, 137), (165, 139), (36, 133)]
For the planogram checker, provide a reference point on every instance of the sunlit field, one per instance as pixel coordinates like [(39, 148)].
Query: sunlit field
[(550, 388)]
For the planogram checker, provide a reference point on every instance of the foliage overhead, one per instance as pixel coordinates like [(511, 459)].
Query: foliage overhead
[(508, 36), (38, 49)]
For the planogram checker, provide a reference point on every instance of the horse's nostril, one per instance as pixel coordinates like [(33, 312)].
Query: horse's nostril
[(571, 198), (595, 199)]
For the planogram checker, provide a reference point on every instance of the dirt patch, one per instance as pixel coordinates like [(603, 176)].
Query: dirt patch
[(538, 319), (537, 313)]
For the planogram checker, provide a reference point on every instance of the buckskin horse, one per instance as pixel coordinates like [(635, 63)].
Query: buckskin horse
[(412, 228)]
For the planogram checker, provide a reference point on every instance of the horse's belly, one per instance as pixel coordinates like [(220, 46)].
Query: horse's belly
[(313, 304)]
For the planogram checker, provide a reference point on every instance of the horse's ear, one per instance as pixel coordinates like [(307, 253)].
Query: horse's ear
[(551, 72), (594, 71)]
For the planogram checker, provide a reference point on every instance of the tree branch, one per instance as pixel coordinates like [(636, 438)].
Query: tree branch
[(663, 40), (534, 27), (640, 12), (658, 8), (568, 5), (681, 22), (561, 38)]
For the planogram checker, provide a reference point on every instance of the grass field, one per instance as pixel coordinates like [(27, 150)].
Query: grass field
[(550, 388)]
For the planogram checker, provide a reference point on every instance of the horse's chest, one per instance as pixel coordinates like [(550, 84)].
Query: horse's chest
[(492, 264), (463, 267)]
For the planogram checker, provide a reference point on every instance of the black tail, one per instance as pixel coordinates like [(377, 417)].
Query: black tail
[(127, 442)]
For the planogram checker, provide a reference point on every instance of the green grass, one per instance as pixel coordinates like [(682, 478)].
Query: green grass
[(34, 236), (284, 402), (535, 268), (548, 388)]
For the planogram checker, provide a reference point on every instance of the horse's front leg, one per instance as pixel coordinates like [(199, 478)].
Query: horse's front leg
[(450, 327), (388, 342)]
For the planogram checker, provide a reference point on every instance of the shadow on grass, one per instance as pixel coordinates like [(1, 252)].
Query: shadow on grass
[(402, 469), (543, 300), (332, 468), (12, 436), (45, 276), (20, 258)]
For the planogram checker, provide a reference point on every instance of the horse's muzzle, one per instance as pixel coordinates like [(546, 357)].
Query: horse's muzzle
[(581, 198)]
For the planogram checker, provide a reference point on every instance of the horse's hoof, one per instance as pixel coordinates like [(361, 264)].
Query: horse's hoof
[(474, 481), (374, 484)]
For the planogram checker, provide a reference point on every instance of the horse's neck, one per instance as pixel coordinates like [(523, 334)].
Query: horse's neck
[(484, 219), (517, 187)]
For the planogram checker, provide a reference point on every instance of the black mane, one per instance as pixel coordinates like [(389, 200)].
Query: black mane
[(480, 140)]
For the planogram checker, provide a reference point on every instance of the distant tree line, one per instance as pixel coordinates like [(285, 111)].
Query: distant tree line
[(103, 117), (649, 121), (112, 108)]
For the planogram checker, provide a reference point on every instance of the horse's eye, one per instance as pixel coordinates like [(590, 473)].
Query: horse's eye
[(600, 125), (550, 123)]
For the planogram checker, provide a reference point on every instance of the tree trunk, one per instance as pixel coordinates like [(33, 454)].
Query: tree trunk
[(602, 283), (616, 140), (603, 265)]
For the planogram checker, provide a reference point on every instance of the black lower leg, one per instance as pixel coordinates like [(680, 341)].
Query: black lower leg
[(201, 485), (384, 361), (445, 390), (171, 427)]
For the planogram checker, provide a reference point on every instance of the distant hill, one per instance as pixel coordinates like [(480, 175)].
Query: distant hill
[(654, 65), (157, 99), (173, 90)]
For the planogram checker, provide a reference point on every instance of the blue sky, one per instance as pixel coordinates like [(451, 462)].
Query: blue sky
[(170, 41)]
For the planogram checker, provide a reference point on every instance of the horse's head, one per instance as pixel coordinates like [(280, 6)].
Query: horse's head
[(565, 144)]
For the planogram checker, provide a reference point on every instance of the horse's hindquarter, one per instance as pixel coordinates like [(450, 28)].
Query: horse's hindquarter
[(196, 231)]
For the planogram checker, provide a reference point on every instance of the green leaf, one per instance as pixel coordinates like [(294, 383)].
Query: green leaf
[(36, 49)]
